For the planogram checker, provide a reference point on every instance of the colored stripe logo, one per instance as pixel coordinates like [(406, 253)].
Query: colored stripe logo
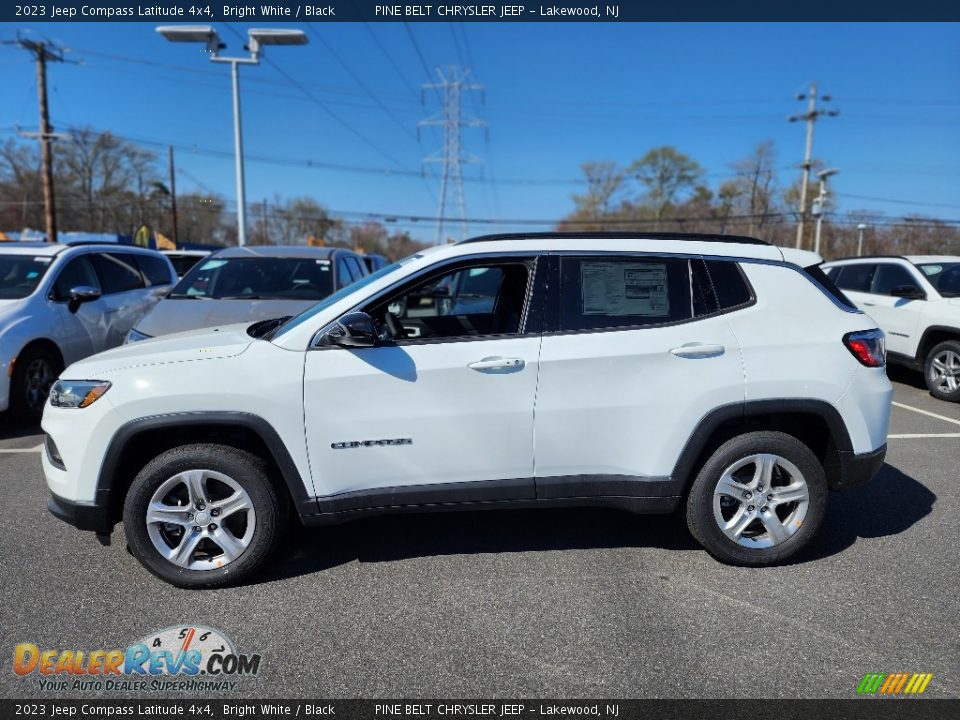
[(894, 683)]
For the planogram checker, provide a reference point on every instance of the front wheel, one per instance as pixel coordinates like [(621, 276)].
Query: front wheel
[(941, 370), (758, 499), (202, 516)]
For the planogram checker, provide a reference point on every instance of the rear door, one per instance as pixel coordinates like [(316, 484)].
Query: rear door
[(123, 294), (635, 355)]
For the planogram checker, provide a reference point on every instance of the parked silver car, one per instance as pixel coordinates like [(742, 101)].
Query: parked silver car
[(61, 303), (250, 283)]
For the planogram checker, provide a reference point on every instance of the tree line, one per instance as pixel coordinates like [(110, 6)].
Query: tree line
[(666, 190), (105, 184)]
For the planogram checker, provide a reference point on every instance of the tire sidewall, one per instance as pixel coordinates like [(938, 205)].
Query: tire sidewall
[(936, 392), (700, 518), (245, 469), (18, 397)]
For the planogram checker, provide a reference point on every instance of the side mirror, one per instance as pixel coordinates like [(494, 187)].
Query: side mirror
[(354, 330), (81, 294), (910, 292)]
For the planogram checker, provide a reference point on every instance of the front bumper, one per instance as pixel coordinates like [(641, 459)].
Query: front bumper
[(95, 516), (858, 469)]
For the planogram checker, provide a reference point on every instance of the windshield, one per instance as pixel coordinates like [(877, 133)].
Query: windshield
[(339, 295), (258, 278), (945, 277), (20, 275)]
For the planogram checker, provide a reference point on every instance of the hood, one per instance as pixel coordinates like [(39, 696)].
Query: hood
[(182, 347), (174, 315)]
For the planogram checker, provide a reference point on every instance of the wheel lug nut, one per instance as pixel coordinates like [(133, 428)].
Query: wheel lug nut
[(196, 528), (211, 527), (747, 495), (189, 516), (215, 512), (200, 506), (750, 508), (770, 497), (763, 509)]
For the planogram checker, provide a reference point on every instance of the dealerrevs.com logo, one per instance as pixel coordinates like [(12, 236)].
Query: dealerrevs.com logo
[(189, 658)]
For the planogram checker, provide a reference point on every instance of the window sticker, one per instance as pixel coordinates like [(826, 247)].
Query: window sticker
[(213, 264), (931, 269), (44, 260), (619, 288)]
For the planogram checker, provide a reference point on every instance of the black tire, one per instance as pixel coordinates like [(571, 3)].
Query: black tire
[(247, 471), (34, 371), (701, 518), (934, 378)]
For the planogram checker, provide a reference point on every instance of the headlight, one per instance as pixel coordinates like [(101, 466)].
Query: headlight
[(134, 335), (77, 393)]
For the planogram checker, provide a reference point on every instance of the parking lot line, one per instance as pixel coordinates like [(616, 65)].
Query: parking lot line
[(927, 412), (38, 448), (914, 436)]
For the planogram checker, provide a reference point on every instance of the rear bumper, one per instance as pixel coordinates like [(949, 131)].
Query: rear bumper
[(858, 469), (94, 517)]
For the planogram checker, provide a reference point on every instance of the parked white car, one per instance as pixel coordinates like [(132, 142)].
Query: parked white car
[(721, 375), (915, 300), (61, 303)]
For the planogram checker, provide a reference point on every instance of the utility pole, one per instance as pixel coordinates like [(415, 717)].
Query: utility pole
[(810, 117), (453, 80), (173, 194), (44, 52)]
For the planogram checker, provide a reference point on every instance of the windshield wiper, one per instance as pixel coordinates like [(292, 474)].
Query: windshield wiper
[(185, 296), (242, 297)]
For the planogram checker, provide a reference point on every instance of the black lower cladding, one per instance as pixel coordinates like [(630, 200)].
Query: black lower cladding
[(858, 469), (94, 516)]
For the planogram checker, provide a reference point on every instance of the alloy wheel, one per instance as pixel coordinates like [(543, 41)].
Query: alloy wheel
[(39, 378), (200, 519), (944, 371), (761, 501)]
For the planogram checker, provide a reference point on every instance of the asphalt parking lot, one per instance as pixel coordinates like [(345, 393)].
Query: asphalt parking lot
[(578, 603)]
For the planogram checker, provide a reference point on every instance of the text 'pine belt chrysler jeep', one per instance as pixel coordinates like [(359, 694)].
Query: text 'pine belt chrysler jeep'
[(649, 373)]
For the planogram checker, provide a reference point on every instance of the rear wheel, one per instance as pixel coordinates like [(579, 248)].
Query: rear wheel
[(203, 515), (941, 370), (34, 372), (758, 499)]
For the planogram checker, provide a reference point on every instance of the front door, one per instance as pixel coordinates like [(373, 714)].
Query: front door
[(442, 412)]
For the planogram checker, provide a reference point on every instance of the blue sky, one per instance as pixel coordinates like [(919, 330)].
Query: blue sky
[(556, 95)]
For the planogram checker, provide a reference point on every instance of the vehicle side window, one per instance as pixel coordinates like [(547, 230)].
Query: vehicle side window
[(889, 276), (467, 302), (729, 283), (154, 269), (598, 293), (344, 274), (856, 277), (356, 265), (118, 272), (76, 273)]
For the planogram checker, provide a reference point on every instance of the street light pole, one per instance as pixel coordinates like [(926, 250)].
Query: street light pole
[(258, 38), (818, 204), (860, 228)]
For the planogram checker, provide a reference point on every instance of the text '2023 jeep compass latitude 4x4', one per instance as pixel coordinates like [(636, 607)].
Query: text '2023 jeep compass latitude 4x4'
[(645, 373)]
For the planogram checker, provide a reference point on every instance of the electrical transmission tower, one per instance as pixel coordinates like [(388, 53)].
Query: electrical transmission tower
[(44, 52), (453, 80), (810, 117)]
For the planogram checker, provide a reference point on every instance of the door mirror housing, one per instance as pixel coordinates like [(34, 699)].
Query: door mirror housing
[(910, 292), (354, 330), (81, 294)]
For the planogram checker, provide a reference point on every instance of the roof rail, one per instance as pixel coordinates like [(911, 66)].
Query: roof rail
[(619, 235)]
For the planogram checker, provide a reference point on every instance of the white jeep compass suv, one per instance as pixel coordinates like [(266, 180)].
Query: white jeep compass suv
[(647, 373), (916, 301)]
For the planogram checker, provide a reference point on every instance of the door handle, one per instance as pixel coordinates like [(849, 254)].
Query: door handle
[(869, 304), (698, 350), (496, 363)]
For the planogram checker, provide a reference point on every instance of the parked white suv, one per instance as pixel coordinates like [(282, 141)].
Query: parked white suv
[(61, 303), (643, 373), (915, 299)]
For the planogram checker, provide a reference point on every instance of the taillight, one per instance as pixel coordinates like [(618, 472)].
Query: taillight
[(867, 346)]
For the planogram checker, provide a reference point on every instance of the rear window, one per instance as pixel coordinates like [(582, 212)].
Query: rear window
[(816, 273), (258, 278)]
